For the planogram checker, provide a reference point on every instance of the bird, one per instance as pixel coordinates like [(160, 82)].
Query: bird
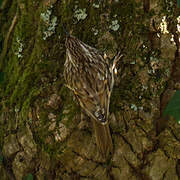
[(90, 76)]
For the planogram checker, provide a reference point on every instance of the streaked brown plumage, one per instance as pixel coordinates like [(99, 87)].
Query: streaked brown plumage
[(91, 78)]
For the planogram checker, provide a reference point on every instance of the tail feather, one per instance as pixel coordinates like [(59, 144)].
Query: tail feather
[(103, 138)]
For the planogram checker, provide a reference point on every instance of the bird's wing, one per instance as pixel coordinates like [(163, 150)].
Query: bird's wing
[(92, 89), (89, 77)]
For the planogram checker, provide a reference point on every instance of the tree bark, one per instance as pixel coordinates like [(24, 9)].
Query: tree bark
[(43, 132)]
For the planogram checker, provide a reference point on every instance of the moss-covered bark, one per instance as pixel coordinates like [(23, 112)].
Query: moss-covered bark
[(42, 129)]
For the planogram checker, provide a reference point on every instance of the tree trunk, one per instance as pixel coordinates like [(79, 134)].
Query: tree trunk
[(44, 134)]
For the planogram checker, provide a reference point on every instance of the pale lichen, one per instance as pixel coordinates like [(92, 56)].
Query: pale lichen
[(134, 107), (133, 62), (154, 63), (114, 25), (95, 31), (140, 108), (80, 14), (95, 5), (50, 23), (178, 24), (144, 87), (163, 25), (172, 39), (20, 48), (16, 109)]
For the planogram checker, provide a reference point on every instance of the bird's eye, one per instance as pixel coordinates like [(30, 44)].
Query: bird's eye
[(101, 118)]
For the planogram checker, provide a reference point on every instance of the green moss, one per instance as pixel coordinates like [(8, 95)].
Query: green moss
[(72, 107), (2, 135), (31, 80), (28, 101), (23, 86)]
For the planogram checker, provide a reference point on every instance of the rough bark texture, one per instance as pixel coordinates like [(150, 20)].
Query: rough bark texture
[(42, 129)]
